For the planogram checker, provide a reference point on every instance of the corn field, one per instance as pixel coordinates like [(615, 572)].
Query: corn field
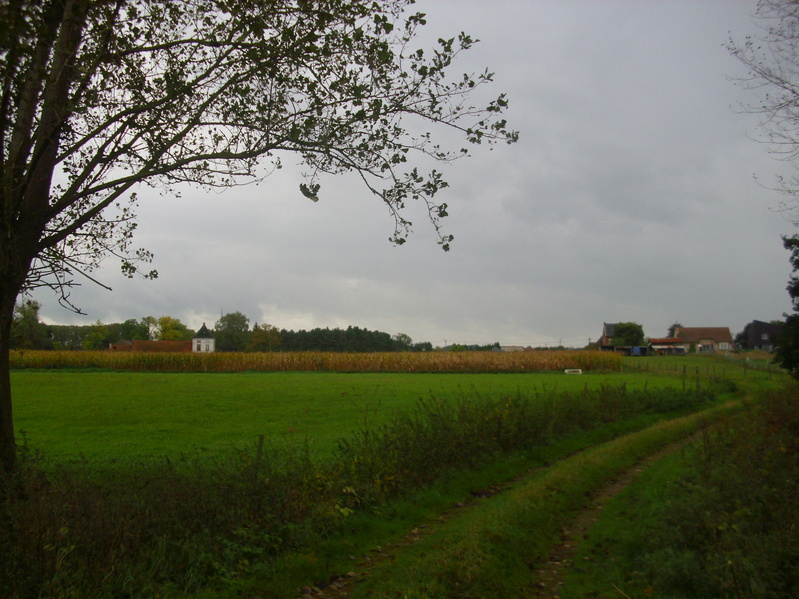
[(463, 362)]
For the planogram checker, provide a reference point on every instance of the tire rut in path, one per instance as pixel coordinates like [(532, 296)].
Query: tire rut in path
[(546, 579), (550, 576)]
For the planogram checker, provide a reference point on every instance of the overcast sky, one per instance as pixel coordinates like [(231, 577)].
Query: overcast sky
[(631, 196)]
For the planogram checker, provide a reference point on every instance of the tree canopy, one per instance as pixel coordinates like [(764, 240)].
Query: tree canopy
[(772, 62), (27, 331), (628, 333), (672, 332), (101, 97), (232, 332), (786, 352), (264, 337)]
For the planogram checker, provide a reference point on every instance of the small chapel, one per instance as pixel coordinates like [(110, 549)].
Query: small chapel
[(203, 341)]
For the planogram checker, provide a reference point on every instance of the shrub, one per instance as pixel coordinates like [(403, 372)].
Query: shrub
[(734, 515)]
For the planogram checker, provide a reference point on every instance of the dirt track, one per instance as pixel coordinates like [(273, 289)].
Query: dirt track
[(545, 580), (550, 576)]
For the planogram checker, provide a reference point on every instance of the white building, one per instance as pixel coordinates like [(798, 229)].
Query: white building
[(203, 341)]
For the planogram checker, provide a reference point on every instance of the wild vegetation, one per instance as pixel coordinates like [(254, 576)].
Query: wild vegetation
[(716, 520), (173, 527)]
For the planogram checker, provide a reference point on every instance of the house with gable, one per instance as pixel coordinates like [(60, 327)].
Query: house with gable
[(761, 335), (605, 340), (705, 339), (203, 341)]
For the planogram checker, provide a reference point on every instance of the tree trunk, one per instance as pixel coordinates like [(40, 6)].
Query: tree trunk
[(8, 447), (16, 256)]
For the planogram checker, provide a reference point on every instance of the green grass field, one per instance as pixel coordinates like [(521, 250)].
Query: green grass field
[(118, 416), (269, 523)]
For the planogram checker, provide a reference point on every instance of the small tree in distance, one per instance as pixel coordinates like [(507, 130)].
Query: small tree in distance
[(232, 332), (786, 352), (264, 337), (170, 328), (99, 97), (628, 334), (27, 331)]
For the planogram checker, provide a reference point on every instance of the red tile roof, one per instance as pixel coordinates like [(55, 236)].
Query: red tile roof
[(696, 334)]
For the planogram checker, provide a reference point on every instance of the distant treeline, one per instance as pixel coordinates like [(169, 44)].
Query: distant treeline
[(232, 333), (351, 339)]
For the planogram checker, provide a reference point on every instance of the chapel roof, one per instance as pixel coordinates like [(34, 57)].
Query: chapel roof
[(203, 333)]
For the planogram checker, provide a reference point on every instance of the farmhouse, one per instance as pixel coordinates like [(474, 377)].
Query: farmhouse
[(605, 340), (761, 335), (705, 339)]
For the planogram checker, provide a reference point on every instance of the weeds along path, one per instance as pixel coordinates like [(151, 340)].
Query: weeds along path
[(513, 539), (550, 576)]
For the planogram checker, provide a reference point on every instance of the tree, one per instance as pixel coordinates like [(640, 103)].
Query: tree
[(773, 64), (741, 338), (97, 338), (171, 329), (134, 329), (27, 331), (264, 337), (786, 351), (673, 329), (100, 97), (232, 332), (772, 61), (402, 342), (627, 334)]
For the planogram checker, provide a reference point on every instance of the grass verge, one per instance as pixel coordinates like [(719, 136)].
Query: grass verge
[(489, 552), (718, 520)]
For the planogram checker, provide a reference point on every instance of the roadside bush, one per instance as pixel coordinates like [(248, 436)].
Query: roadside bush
[(418, 448), (735, 515)]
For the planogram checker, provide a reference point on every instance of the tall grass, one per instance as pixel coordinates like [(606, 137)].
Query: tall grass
[(532, 361), (732, 528), (178, 527)]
